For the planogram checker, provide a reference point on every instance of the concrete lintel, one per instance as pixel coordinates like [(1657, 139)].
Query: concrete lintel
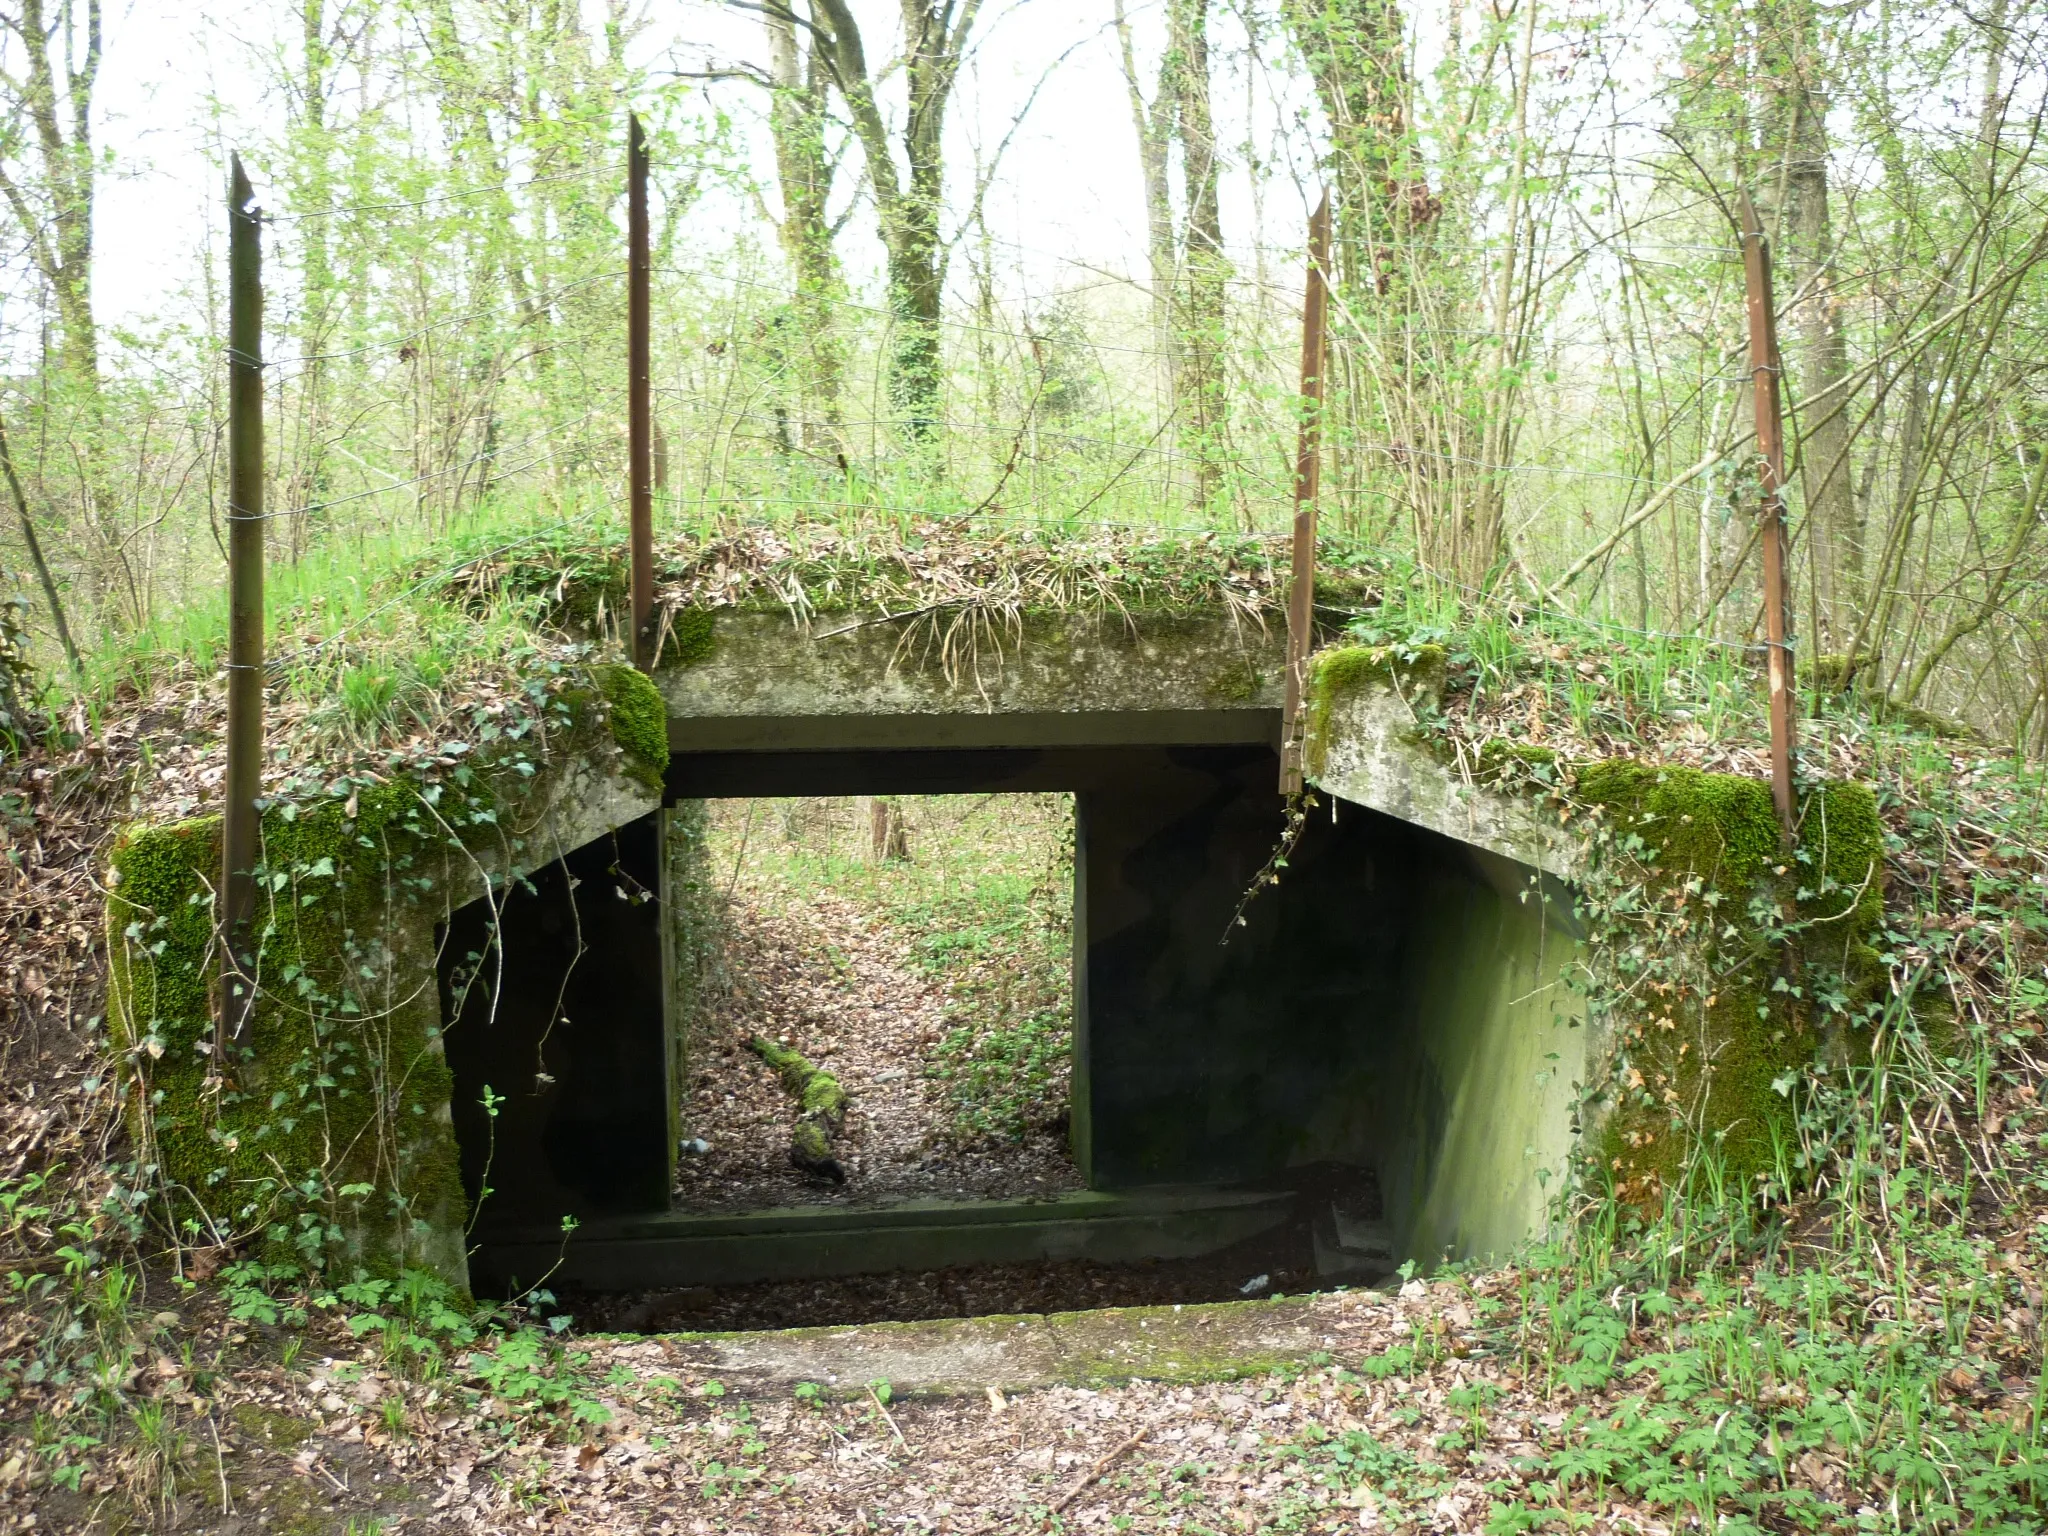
[(968, 666), (935, 730)]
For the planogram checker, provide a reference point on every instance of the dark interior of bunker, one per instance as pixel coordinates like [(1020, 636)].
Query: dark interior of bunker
[(1256, 1091)]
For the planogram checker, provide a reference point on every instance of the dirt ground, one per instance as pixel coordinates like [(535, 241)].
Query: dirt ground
[(681, 1445)]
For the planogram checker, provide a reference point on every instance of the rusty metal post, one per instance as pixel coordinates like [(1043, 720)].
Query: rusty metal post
[(1301, 589), (640, 394), (1765, 370), (240, 827)]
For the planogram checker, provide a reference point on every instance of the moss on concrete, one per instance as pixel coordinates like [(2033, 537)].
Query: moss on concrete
[(1332, 674), (327, 1128), (1206, 1342), (1510, 763), (1787, 970), (638, 717), (326, 1132), (692, 637)]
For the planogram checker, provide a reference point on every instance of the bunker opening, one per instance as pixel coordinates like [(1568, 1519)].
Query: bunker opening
[(886, 1008), (738, 1045)]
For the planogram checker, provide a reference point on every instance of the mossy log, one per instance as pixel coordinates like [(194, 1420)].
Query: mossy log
[(821, 1107)]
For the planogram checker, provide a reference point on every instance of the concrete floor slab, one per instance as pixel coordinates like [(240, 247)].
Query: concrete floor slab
[(1215, 1342)]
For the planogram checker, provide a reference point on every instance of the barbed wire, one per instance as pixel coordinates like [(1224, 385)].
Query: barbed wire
[(500, 190), (484, 456), (782, 291), (389, 342), (1391, 450)]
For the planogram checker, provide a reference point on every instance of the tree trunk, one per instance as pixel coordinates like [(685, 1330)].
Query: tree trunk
[(35, 555), (1398, 409), (888, 832), (52, 204), (1356, 51), (1153, 121), (1796, 158), (909, 199), (796, 119), (312, 196), (1205, 270)]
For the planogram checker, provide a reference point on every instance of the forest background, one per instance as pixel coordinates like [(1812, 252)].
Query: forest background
[(1037, 261)]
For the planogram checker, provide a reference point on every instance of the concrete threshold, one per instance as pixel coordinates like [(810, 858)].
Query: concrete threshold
[(1217, 1341), (678, 1248)]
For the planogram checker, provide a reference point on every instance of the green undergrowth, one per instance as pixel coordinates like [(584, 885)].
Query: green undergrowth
[(363, 640), (1652, 1376)]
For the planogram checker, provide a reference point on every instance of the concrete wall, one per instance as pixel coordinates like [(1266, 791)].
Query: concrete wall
[(1478, 1136), (1198, 1059), (564, 1023), (1365, 744), (1395, 1003)]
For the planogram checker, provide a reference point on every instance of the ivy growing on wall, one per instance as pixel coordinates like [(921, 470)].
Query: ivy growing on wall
[(324, 1133)]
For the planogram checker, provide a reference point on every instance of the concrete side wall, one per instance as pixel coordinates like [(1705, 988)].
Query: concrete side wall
[(691, 950), (1394, 1003), (1479, 1132), (1366, 746), (562, 1020)]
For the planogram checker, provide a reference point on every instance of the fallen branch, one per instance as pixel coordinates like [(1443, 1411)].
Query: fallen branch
[(821, 1107), (888, 1417), (1095, 1472)]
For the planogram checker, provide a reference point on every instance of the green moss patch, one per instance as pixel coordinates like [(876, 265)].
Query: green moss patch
[(1741, 962), (638, 717), (326, 1128), (821, 1106), (279, 1431), (1511, 763), (692, 637), (1344, 670)]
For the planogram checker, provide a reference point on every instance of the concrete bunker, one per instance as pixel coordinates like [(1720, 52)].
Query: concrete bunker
[(1398, 1004), (1391, 1011)]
